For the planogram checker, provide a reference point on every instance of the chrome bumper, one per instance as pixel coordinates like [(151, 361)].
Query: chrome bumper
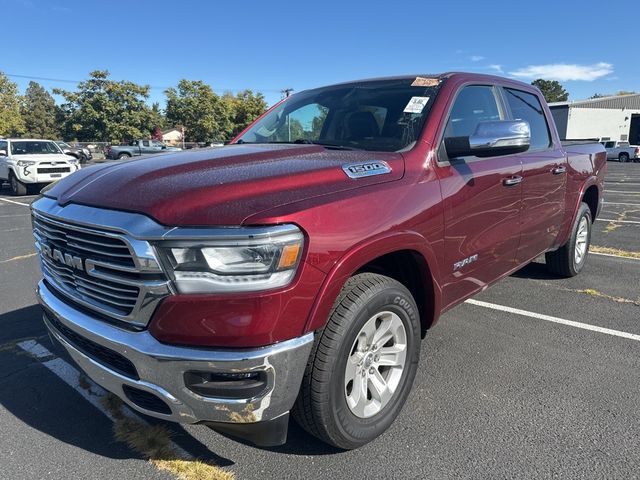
[(161, 368)]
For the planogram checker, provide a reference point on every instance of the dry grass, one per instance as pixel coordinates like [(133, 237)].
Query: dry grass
[(614, 251), (595, 293), (154, 443), (83, 382), (193, 470)]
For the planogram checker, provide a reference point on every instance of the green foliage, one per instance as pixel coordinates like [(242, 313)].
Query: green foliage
[(552, 90), (106, 110), (39, 113), (245, 107), (195, 106), (11, 123)]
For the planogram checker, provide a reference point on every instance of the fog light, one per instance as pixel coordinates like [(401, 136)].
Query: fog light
[(232, 385)]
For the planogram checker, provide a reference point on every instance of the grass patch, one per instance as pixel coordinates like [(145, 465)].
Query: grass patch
[(595, 293), (193, 470), (614, 251), (154, 443)]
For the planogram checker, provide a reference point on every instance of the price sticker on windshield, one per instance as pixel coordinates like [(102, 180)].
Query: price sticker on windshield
[(416, 105)]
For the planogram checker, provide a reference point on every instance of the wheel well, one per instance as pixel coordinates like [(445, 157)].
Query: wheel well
[(591, 199), (411, 269)]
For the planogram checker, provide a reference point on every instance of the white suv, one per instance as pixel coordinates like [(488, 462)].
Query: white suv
[(25, 162)]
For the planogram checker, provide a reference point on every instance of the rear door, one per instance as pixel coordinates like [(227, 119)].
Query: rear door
[(482, 200), (544, 171)]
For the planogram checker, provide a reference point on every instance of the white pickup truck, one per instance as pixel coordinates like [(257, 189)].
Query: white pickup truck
[(28, 163), (621, 151)]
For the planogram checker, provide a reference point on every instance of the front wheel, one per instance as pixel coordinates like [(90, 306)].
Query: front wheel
[(569, 259), (363, 363), (17, 187)]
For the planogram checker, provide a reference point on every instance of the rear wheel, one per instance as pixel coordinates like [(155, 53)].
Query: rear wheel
[(17, 187), (363, 363), (569, 259), (123, 156), (623, 157)]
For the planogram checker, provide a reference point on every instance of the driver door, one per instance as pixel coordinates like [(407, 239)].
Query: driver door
[(482, 201)]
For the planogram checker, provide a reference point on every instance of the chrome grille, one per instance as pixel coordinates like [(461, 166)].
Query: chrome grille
[(107, 277)]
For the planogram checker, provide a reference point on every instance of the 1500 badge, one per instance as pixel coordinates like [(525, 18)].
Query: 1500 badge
[(366, 169), (465, 261)]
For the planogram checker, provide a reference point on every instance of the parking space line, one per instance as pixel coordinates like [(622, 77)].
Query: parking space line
[(15, 203), (612, 255), (549, 318), (616, 221), (625, 204)]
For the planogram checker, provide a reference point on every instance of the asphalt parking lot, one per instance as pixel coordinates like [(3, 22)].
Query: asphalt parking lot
[(549, 390)]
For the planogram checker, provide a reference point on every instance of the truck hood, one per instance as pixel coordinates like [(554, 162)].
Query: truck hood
[(221, 186)]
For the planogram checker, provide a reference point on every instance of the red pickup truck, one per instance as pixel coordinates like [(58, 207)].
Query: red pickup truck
[(297, 269)]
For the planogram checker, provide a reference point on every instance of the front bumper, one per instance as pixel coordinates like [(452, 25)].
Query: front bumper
[(30, 174), (101, 349)]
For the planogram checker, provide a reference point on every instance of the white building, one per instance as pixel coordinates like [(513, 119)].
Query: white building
[(173, 136), (606, 118)]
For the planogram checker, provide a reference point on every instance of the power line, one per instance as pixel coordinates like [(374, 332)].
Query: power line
[(152, 87)]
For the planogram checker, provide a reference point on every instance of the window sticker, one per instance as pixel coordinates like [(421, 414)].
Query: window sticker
[(425, 82), (416, 105)]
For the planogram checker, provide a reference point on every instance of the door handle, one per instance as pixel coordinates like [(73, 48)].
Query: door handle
[(511, 181), (559, 170)]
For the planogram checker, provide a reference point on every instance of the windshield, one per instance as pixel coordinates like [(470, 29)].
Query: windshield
[(63, 145), (33, 147), (379, 115)]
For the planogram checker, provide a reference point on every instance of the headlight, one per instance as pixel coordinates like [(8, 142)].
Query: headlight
[(25, 163), (256, 262), (72, 161)]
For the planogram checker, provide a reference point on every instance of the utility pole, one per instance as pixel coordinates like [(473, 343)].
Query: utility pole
[(286, 92)]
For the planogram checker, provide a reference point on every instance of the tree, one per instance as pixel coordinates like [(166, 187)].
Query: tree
[(245, 107), (11, 123), (157, 133), (156, 117), (107, 110), (204, 115), (39, 112), (552, 90), (619, 93)]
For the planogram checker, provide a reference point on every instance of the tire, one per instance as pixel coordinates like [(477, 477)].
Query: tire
[(623, 157), (123, 156), (566, 262), (17, 187), (367, 304)]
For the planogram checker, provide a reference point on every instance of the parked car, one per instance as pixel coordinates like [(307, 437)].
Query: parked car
[(621, 151), (83, 154), (297, 269), (30, 163), (137, 148)]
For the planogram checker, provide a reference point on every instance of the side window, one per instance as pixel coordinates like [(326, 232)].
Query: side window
[(526, 106), (609, 144), (4, 146), (474, 104), (145, 143)]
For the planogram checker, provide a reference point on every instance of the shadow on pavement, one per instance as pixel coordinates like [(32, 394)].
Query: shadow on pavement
[(536, 271), (37, 398)]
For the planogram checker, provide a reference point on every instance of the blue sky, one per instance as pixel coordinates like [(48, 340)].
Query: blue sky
[(270, 45)]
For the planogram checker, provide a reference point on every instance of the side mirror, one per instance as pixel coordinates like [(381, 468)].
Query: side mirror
[(3, 153), (491, 139)]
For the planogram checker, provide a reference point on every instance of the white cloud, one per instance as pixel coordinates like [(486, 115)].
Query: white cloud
[(496, 67), (476, 58), (564, 71)]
